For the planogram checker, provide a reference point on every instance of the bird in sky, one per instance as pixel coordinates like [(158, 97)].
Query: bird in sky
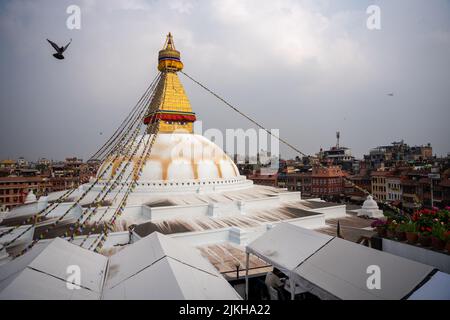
[(390, 94), (59, 50)]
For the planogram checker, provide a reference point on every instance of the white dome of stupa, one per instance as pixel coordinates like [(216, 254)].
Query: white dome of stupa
[(179, 162), (30, 197), (370, 209), (176, 157), (370, 204)]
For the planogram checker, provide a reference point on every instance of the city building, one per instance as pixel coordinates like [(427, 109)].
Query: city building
[(327, 182), (8, 164), (44, 162), (262, 179), (396, 152), (298, 181), (338, 155), (352, 185), (379, 188), (443, 192), (412, 192), (423, 188), (13, 190), (16, 181), (22, 163), (394, 189)]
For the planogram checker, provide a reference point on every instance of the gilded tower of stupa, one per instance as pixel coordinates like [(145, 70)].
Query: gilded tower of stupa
[(180, 159), (170, 105)]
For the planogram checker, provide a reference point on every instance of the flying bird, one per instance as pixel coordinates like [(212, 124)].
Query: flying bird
[(59, 51), (390, 94)]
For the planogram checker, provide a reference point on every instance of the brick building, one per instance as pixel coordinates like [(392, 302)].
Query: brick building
[(264, 179), (301, 181), (18, 181), (352, 193), (327, 182), (13, 190)]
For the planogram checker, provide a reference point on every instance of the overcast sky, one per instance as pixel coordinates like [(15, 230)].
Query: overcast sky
[(309, 68)]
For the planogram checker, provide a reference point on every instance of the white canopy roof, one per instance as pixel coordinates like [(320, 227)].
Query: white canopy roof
[(46, 276), (159, 267), (156, 267), (437, 288), (286, 245), (340, 269), (28, 210), (333, 268), (10, 270)]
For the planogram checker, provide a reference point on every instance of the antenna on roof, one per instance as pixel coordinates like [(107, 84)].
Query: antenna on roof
[(338, 135)]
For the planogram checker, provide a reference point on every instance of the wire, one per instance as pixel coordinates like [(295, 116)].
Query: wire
[(124, 122), (54, 224), (282, 140), (112, 187), (46, 211), (108, 226), (246, 116), (152, 131)]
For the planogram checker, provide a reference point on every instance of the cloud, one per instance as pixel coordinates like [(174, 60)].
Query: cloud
[(307, 67), (182, 6)]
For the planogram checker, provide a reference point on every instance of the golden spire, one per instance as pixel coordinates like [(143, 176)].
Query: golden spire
[(169, 45), (170, 103), (169, 58)]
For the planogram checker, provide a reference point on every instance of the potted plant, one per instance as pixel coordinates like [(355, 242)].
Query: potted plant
[(400, 232), (411, 232), (438, 236), (447, 245), (425, 238), (381, 226), (424, 219), (433, 226), (392, 226)]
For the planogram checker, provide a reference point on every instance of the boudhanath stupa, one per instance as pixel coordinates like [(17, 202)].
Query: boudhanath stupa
[(186, 188)]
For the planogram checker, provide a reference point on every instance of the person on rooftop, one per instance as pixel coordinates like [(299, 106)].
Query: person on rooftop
[(274, 279)]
